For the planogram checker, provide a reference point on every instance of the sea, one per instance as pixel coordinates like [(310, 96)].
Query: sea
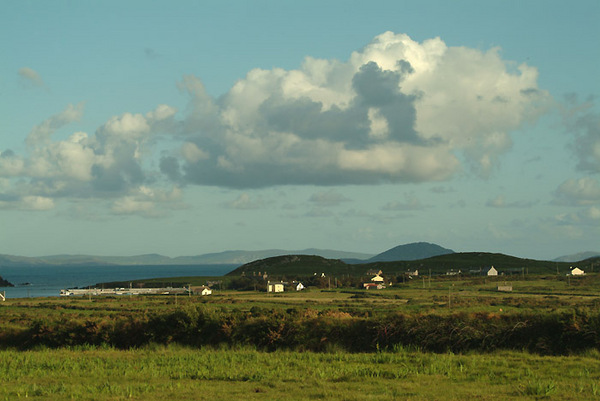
[(47, 281)]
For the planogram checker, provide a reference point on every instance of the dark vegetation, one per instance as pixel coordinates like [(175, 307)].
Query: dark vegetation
[(554, 333), (466, 262), (548, 314)]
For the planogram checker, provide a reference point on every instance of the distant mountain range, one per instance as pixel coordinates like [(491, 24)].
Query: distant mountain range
[(226, 257), (406, 252)]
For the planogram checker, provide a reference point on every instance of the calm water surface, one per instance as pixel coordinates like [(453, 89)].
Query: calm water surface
[(47, 281)]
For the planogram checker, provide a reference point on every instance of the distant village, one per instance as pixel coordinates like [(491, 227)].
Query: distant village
[(378, 281), (373, 279)]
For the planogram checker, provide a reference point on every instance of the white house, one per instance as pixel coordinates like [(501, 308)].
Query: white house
[(274, 287), (489, 271), (202, 290), (377, 279), (300, 287), (576, 271)]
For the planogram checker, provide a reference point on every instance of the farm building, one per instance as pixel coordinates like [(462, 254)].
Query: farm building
[(201, 290), (377, 279), (300, 287), (489, 271), (575, 271), (274, 287)]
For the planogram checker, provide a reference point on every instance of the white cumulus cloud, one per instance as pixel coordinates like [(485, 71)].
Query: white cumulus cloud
[(579, 192), (395, 111)]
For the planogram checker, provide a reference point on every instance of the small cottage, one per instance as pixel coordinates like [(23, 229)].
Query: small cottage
[(274, 287), (201, 290), (377, 279), (575, 271), (300, 287), (489, 271)]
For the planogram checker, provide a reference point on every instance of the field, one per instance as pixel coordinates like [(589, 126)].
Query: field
[(442, 339), (173, 372)]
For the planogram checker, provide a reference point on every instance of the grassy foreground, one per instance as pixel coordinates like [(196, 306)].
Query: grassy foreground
[(174, 372), (46, 351)]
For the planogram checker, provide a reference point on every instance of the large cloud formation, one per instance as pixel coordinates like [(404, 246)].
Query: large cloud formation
[(108, 164), (396, 111)]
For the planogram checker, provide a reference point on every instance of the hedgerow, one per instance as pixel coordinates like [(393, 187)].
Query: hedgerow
[(553, 333)]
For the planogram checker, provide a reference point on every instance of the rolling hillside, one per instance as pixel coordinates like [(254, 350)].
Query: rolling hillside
[(303, 265)]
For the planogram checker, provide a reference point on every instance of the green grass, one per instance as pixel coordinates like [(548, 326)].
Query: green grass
[(157, 373)]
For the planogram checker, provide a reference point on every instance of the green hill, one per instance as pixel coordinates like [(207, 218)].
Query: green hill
[(467, 263), (304, 265)]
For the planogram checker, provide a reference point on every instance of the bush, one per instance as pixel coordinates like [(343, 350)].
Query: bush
[(306, 329)]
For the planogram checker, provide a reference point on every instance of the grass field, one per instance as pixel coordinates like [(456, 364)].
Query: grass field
[(152, 371), (158, 373)]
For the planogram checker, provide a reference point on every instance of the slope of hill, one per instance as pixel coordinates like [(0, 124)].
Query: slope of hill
[(577, 257), (414, 251), (15, 261), (472, 261), (305, 265), (468, 262)]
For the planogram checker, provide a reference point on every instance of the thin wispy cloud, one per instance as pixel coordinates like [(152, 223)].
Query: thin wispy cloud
[(31, 77), (409, 203), (328, 198), (501, 203)]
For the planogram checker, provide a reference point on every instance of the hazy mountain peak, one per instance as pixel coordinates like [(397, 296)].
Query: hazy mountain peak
[(576, 257), (412, 251)]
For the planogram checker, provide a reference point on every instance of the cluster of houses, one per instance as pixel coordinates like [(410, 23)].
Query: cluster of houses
[(377, 281), (280, 286)]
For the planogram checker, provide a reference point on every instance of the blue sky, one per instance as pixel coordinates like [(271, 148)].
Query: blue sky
[(184, 128)]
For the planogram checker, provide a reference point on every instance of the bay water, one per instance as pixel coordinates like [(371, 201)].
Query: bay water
[(47, 281)]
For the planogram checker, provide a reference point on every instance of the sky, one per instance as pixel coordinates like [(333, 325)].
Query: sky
[(185, 127)]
